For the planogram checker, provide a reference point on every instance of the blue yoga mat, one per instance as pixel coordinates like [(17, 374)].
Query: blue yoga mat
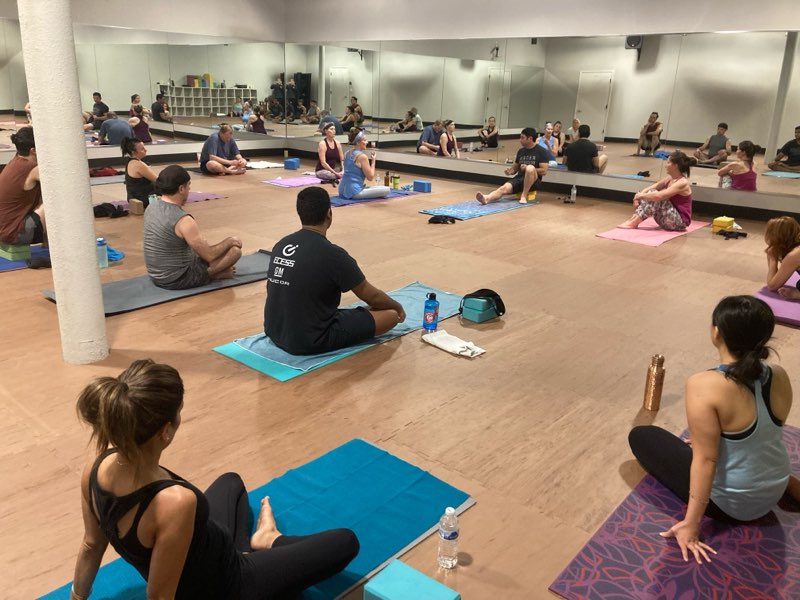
[(625, 175), (259, 353), (785, 174), (339, 201), (470, 209), (389, 503), (13, 265)]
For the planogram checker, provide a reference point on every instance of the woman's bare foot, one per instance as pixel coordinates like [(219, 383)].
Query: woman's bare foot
[(789, 293), (523, 200), (631, 223), (266, 529), (481, 198)]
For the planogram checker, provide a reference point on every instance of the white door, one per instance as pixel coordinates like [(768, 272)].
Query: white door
[(338, 89), (495, 99), (594, 95)]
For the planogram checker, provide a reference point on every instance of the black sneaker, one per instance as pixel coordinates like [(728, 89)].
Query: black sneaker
[(38, 263)]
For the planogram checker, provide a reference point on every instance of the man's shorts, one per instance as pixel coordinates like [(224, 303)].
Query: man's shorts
[(350, 326), (204, 169), (518, 182), (194, 276), (32, 231)]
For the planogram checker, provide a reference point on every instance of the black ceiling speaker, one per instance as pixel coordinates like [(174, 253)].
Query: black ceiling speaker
[(633, 42)]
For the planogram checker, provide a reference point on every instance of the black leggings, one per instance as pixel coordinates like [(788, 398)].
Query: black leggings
[(669, 459), (293, 563)]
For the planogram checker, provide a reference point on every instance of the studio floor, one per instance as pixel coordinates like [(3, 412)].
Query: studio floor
[(535, 430)]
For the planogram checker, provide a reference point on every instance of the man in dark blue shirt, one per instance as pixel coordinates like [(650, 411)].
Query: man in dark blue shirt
[(429, 139), (529, 167), (220, 154)]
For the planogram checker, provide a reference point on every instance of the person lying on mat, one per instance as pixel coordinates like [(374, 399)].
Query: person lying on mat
[(741, 174), (306, 279), (734, 466), (184, 542), (788, 157), (716, 148), (220, 154), (176, 254), (21, 209), (330, 155), (650, 135), (358, 167), (529, 167), (783, 255), (668, 201), (139, 177)]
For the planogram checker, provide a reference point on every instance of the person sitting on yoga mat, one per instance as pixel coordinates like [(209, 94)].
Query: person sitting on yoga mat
[(139, 124), (306, 279), (716, 148), (668, 201), (734, 466), (529, 167), (187, 544), (788, 157), (359, 167), (160, 109), (330, 155), (220, 154), (428, 142), (176, 255), (572, 132), (21, 210), (548, 141), (312, 114), (650, 136), (582, 155), (139, 177), (489, 134), (741, 173), (559, 136), (783, 255), (113, 131), (448, 144), (136, 100)]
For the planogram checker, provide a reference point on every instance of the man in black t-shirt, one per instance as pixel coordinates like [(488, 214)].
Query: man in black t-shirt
[(160, 110), (791, 153), (529, 167), (582, 155), (307, 276)]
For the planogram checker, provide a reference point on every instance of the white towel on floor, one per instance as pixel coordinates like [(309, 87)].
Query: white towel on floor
[(263, 164), (450, 343)]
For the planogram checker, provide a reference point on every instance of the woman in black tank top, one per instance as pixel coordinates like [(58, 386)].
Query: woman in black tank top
[(187, 544), (139, 177)]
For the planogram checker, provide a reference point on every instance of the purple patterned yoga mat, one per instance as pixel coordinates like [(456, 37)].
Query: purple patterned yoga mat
[(294, 181), (786, 311), (626, 558)]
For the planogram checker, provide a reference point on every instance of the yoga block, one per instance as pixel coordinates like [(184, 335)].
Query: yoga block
[(12, 252), (478, 310), (722, 223), (421, 185), (398, 581), (291, 163)]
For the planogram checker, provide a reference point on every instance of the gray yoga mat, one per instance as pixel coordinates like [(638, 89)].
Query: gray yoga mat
[(139, 292), (106, 180)]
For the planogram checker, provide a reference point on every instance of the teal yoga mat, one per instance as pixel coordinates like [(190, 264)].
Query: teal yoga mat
[(784, 174), (470, 209), (259, 353), (391, 505)]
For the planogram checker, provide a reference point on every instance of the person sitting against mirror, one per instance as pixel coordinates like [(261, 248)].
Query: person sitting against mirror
[(290, 93), (176, 254), (300, 110), (358, 168), (740, 175), (448, 144), (139, 177), (582, 155), (289, 112), (668, 201), (277, 89), (428, 142), (301, 312), (160, 109), (139, 124), (312, 114), (783, 255), (274, 110), (327, 117), (529, 166), (788, 157), (98, 114), (349, 120), (237, 108), (256, 123), (559, 136), (650, 136), (356, 109), (247, 110), (136, 100), (220, 154), (571, 134), (716, 148), (330, 156), (489, 134), (548, 141), (405, 124), (113, 131)]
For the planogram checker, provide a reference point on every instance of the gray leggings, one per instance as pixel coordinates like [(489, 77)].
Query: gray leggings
[(664, 213), (375, 191), (326, 175)]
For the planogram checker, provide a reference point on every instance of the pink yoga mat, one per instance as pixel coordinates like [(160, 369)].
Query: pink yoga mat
[(786, 311), (294, 181), (648, 233), (201, 196)]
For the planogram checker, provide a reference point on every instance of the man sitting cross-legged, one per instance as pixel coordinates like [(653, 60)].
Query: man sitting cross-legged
[(176, 255), (306, 279), (220, 154), (529, 167)]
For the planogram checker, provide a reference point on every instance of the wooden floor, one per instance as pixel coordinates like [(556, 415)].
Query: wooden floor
[(535, 429)]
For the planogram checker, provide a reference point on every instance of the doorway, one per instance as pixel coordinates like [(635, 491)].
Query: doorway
[(594, 96)]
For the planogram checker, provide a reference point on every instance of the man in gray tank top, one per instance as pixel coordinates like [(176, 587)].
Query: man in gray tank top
[(716, 147), (176, 255)]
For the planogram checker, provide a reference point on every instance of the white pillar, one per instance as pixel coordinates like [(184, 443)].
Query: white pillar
[(48, 49)]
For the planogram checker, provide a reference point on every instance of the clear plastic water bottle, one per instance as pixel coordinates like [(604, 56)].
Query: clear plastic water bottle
[(448, 539), (573, 195), (430, 317), (102, 253)]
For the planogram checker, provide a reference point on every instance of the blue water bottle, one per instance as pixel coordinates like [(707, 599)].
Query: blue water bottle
[(102, 253), (431, 315)]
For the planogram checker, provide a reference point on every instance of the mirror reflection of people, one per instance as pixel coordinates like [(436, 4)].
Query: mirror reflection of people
[(256, 122), (788, 157), (582, 154), (136, 100), (716, 148), (650, 136), (330, 155), (489, 134), (160, 109), (139, 122), (559, 137), (572, 132), (741, 173), (312, 113), (220, 154), (184, 542), (668, 201), (301, 313), (358, 168), (327, 117), (139, 177), (783, 255), (448, 144), (99, 112), (21, 209), (734, 466), (428, 142), (548, 141), (114, 130), (529, 166), (236, 109)]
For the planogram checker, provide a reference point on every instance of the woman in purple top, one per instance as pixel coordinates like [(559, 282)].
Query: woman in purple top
[(668, 201), (138, 123), (448, 145), (741, 173), (331, 155)]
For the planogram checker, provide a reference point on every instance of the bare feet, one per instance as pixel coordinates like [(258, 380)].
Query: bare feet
[(226, 274), (266, 529), (790, 293), (523, 200), (631, 223), (481, 198)]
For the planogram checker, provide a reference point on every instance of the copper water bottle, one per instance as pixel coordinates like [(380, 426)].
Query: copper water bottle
[(654, 383)]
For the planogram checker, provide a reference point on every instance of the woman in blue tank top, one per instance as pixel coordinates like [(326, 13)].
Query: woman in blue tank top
[(359, 167), (734, 466)]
